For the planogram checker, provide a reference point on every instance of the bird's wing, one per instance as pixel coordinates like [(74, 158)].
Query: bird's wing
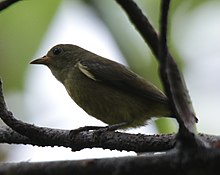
[(118, 76)]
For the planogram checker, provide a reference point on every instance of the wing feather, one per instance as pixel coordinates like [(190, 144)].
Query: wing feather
[(120, 77)]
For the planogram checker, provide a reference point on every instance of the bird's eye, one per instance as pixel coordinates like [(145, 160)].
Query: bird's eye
[(57, 50)]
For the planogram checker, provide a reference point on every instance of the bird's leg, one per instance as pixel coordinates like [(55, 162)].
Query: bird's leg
[(85, 128), (115, 126), (98, 128), (110, 128)]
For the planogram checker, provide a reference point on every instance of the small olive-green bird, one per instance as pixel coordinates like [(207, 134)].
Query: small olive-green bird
[(105, 89)]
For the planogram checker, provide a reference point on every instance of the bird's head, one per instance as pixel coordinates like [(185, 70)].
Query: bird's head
[(60, 58)]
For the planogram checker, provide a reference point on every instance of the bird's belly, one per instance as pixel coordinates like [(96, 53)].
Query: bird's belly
[(108, 104)]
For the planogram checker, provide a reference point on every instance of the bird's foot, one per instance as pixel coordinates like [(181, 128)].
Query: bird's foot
[(115, 126), (97, 128), (85, 128)]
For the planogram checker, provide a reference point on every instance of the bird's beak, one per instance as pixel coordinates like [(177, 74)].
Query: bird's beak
[(44, 60)]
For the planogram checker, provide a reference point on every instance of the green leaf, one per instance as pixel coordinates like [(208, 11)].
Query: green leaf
[(23, 26)]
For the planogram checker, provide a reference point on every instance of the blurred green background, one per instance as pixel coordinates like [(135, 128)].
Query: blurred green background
[(26, 24)]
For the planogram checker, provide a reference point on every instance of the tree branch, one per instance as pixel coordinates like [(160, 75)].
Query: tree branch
[(5, 4), (142, 24), (92, 139), (107, 140), (202, 162), (173, 82)]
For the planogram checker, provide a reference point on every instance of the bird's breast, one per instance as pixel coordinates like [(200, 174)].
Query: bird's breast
[(107, 103)]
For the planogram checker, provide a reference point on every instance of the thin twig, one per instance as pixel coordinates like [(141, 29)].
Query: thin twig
[(174, 85), (5, 4), (173, 81), (142, 24)]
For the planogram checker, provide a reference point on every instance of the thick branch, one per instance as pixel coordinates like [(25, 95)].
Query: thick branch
[(202, 162), (105, 140), (92, 139)]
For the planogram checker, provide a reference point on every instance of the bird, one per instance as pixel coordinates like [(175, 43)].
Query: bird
[(105, 89)]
